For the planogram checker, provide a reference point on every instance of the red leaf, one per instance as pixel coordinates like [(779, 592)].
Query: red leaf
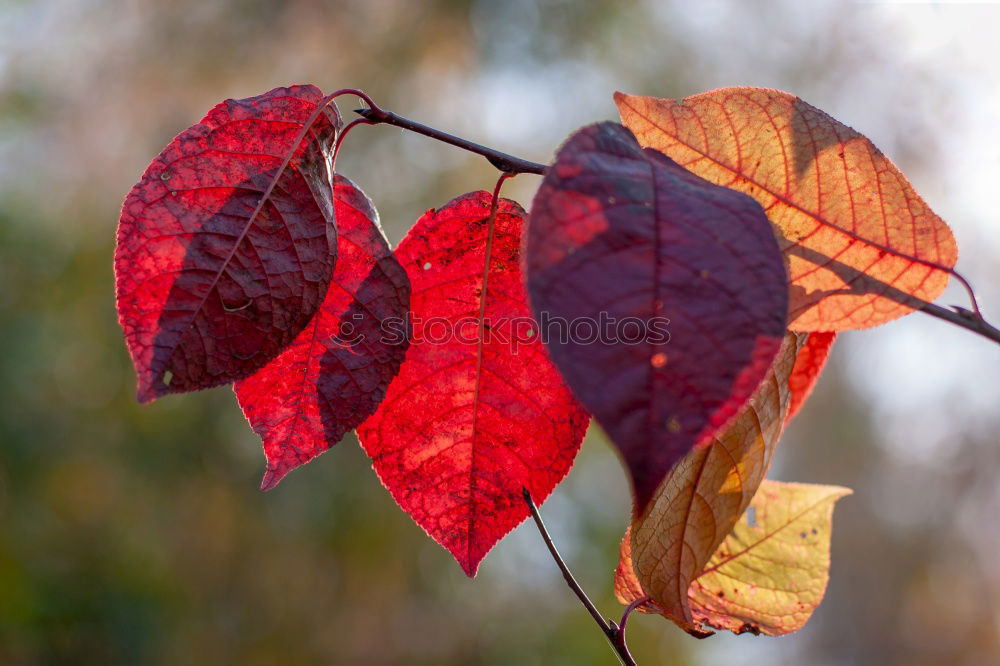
[(808, 365), (222, 256), (477, 411), (624, 234), (334, 374)]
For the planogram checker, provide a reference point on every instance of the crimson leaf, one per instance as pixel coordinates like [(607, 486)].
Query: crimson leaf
[(334, 374), (224, 251), (478, 411), (808, 366)]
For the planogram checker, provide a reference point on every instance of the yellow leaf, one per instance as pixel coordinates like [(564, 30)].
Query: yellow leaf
[(862, 246), (770, 573)]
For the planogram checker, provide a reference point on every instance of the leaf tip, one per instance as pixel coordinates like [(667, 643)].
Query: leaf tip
[(469, 567), (645, 483), (640, 503), (843, 491), (148, 391), (621, 99), (271, 478)]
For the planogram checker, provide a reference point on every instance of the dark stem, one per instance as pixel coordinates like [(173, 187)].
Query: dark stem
[(971, 320), (614, 633), (631, 607), (503, 161), (967, 319)]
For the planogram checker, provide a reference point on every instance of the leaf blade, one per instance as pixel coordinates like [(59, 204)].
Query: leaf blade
[(769, 577), (705, 494), (653, 242), (808, 366), (471, 419), (863, 247), (222, 255), (335, 373)]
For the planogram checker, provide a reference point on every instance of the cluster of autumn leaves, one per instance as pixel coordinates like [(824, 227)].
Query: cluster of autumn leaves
[(755, 223)]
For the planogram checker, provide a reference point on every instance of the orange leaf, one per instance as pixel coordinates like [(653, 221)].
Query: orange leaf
[(769, 576), (808, 365), (863, 248), (705, 494)]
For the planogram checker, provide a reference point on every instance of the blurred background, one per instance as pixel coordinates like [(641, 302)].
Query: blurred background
[(137, 535)]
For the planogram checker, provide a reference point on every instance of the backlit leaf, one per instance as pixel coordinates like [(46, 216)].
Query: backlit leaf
[(222, 260), (673, 291), (770, 574), (863, 248), (477, 411), (627, 586), (808, 366), (334, 374), (706, 493)]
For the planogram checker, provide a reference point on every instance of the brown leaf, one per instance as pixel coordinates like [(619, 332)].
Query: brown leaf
[(705, 494)]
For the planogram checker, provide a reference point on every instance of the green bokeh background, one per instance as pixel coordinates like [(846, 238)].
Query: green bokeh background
[(137, 535)]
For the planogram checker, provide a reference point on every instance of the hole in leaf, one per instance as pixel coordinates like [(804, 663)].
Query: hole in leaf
[(752, 517)]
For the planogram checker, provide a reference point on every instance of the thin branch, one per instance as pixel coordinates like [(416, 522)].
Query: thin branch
[(344, 132), (567, 574), (612, 632), (503, 161), (968, 289), (618, 643), (971, 320), (967, 319)]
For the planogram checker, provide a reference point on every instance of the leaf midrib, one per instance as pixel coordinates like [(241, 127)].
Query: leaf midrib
[(788, 202)]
